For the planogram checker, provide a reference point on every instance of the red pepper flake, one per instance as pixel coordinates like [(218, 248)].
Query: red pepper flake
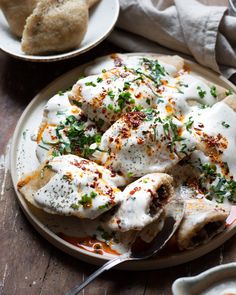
[(118, 62), (134, 119), (138, 95), (140, 140), (125, 132), (136, 189)]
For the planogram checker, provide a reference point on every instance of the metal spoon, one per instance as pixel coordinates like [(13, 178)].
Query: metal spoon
[(174, 214)]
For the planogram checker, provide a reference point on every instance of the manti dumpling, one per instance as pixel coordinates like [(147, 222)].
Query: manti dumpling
[(203, 220), (70, 185), (16, 13), (143, 202), (64, 129), (55, 26), (143, 142)]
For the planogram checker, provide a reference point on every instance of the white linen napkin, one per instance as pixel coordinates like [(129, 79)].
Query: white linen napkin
[(186, 27)]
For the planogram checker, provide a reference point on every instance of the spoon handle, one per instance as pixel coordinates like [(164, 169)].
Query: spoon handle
[(103, 268)]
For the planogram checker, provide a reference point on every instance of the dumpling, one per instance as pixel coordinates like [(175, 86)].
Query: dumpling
[(203, 220), (16, 13), (55, 26), (144, 142), (64, 129), (92, 2), (70, 185), (143, 202), (105, 97)]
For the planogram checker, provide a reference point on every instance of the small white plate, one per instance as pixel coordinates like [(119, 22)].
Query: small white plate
[(24, 160), (219, 280), (102, 18)]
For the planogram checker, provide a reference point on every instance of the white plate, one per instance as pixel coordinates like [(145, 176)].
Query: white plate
[(23, 160), (219, 280), (102, 18)]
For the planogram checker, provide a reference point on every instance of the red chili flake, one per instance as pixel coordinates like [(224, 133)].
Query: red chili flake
[(111, 139), (138, 95), (109, 192), (118, 62), (136, 189), (125, 132), (134, 119), (80, 164), (140, 140), (98, 173), (112, 201), (104, 110)]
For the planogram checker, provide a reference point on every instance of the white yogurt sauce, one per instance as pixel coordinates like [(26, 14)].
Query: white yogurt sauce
[(79, 187), (141, 143), (135, 210)]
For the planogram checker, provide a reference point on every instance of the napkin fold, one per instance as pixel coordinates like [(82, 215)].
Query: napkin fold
[(206, 33)]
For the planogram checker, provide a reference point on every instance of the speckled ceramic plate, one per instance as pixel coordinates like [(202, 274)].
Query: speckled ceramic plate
[(23, 160), (102, 18)]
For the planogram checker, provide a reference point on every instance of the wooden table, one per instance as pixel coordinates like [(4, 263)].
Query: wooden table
[(28, 263)]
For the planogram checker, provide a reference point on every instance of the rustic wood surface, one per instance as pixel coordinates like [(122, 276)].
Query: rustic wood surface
[(28, 263)]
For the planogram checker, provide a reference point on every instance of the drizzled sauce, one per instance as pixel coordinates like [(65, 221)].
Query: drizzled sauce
[(89, 244)]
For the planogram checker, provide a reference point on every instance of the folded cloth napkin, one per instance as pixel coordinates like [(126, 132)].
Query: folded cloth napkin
[(186, 27)]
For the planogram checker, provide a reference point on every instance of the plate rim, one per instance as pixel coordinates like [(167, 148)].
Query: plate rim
[(150, 264), (70, 54)]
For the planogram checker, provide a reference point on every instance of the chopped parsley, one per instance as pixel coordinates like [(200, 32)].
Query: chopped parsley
[(124, 97), (111, 94), (189, 124), (86, 201), (228, 92), (213, 91), (126, 85), (130, 174), (90, 84), (77, 141), (77, 103), (60, 93), (110, 106), (60, 113), (99, 80), (215, 184), (154, 70), (103, 206), (74, 206), (225, 124), (201, 92)]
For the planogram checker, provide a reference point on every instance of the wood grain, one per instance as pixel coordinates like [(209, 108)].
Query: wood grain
[(28, 263)]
